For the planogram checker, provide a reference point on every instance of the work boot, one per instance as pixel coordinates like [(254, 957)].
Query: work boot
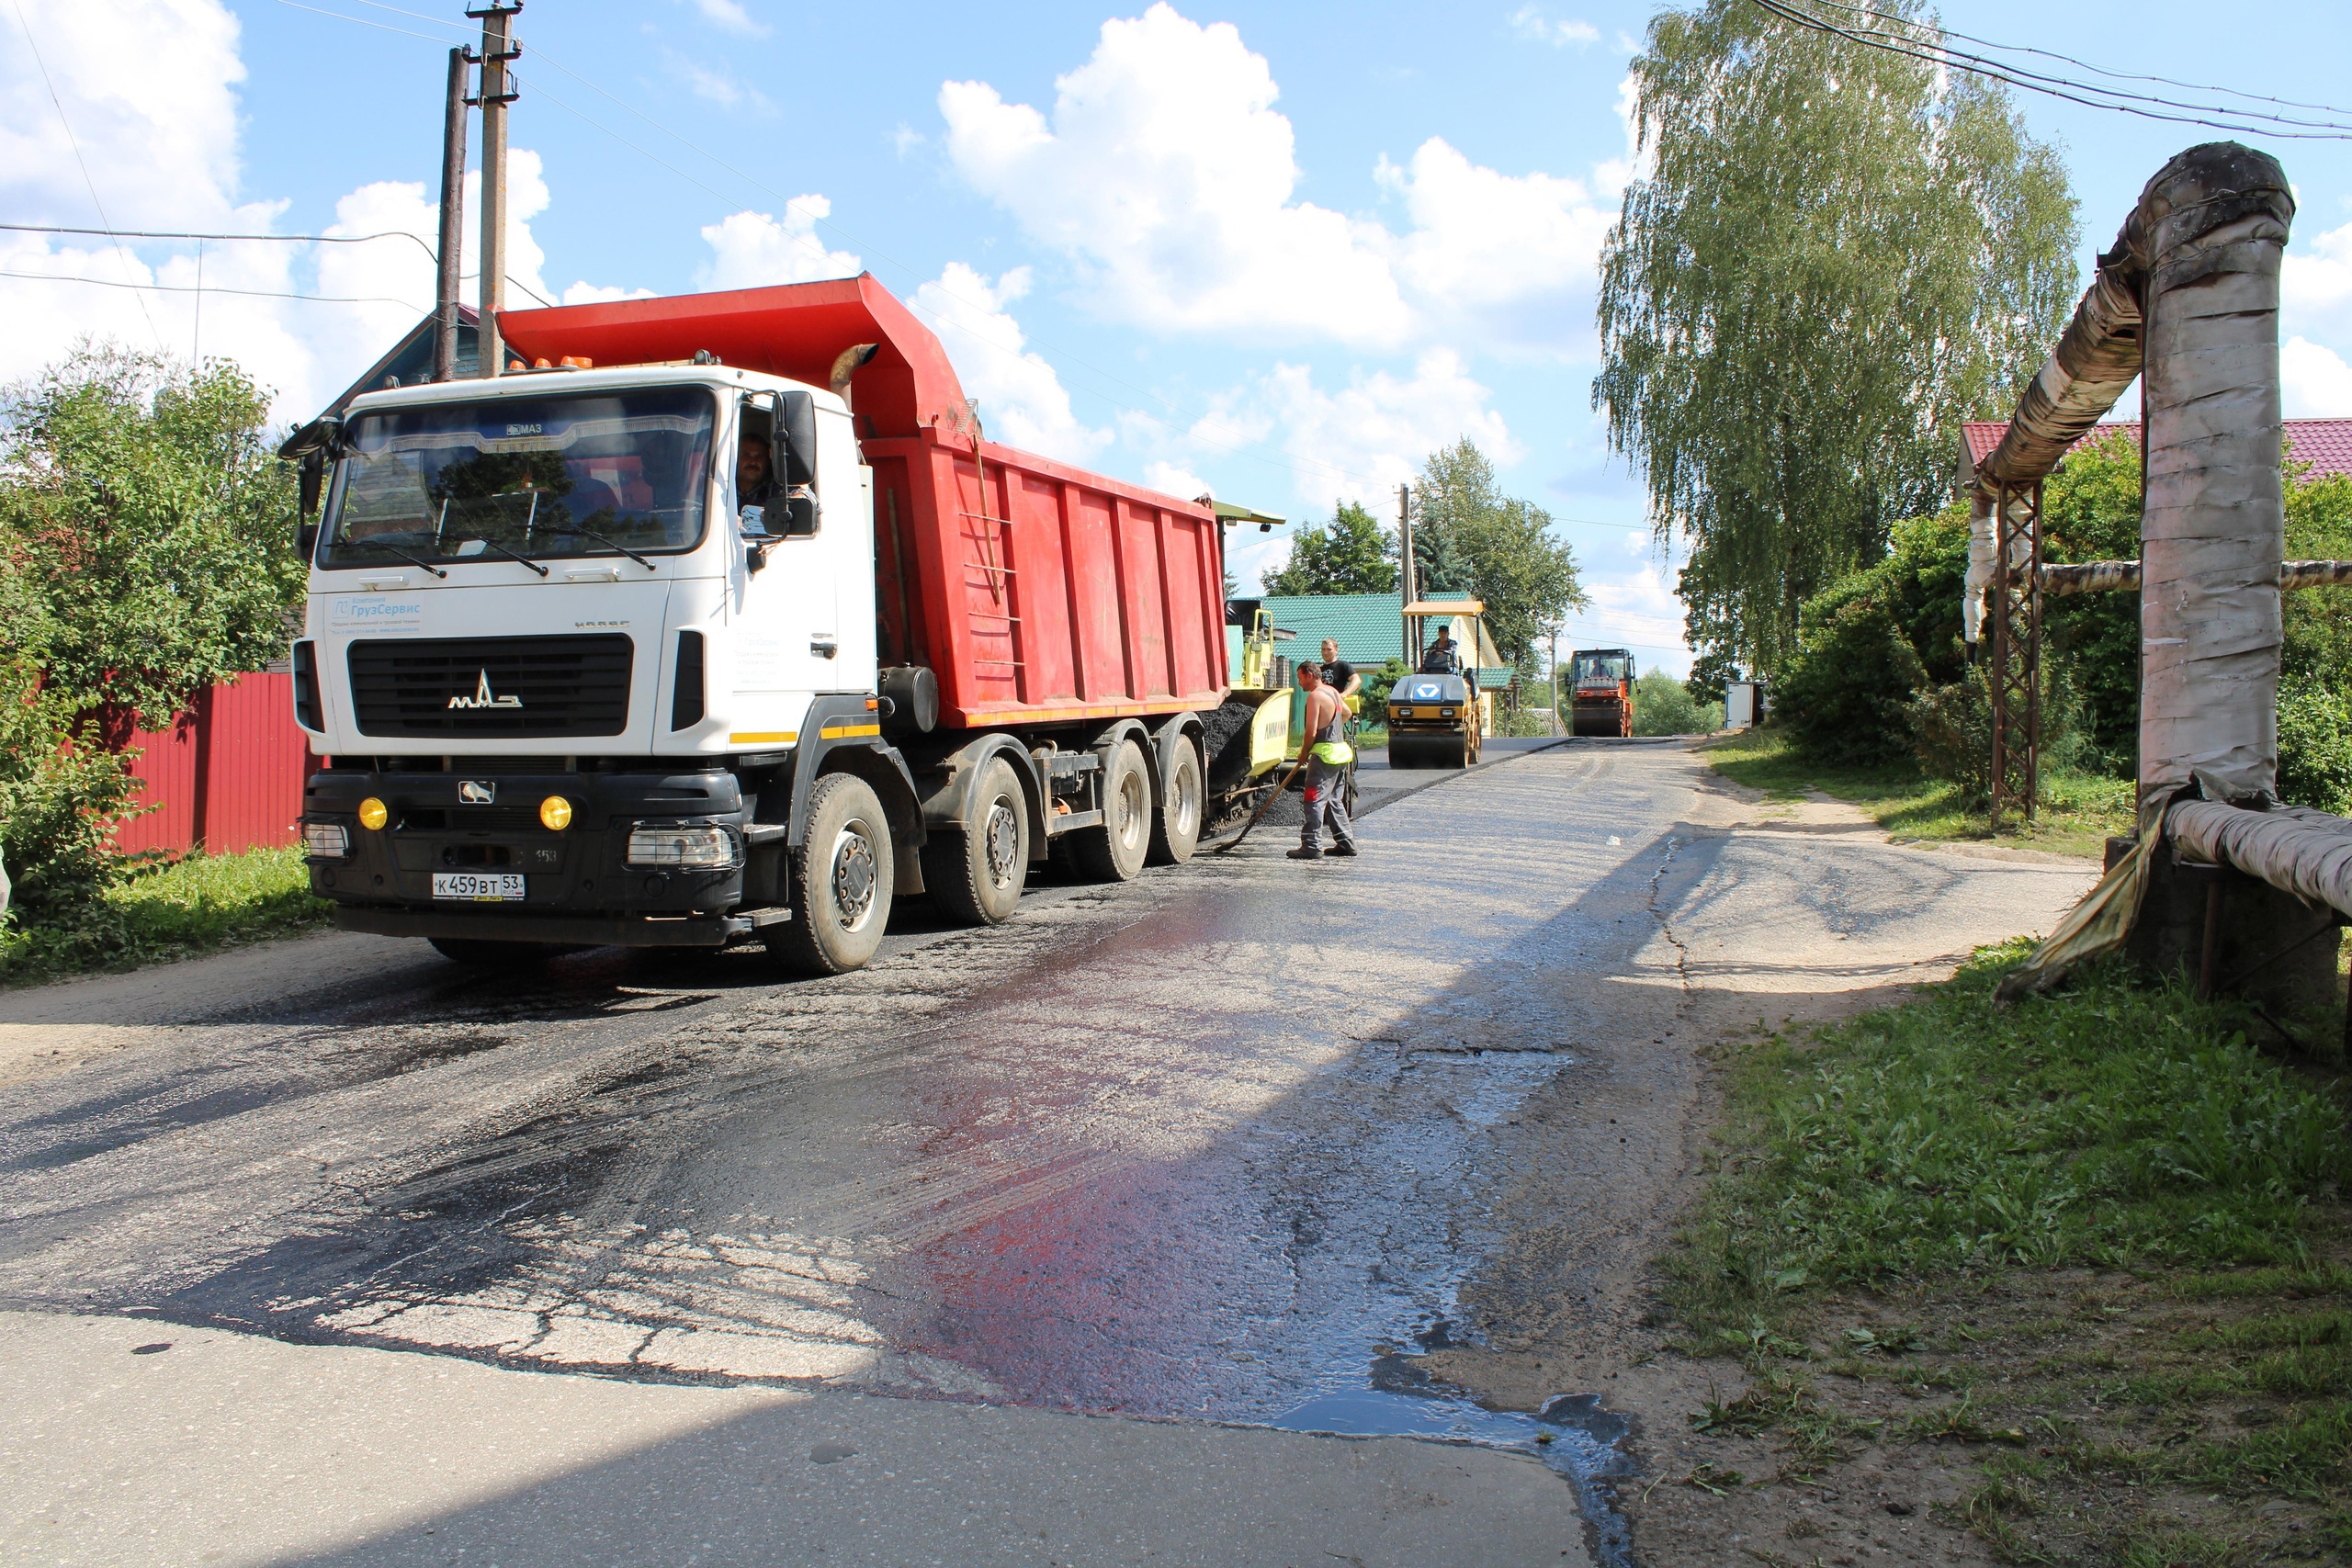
[(1304, 853), (1345, 848)]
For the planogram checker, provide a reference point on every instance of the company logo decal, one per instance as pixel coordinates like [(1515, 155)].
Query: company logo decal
[(482, 698), (476, 792), (1426, 689)]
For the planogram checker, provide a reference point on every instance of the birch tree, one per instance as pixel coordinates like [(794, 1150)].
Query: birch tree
[(1836, 255)]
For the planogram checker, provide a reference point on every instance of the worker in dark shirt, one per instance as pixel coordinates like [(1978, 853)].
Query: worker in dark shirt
[(1441, 657), (1338, 674)]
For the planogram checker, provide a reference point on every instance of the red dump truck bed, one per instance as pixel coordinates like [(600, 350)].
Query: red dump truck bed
[(1034, 591)]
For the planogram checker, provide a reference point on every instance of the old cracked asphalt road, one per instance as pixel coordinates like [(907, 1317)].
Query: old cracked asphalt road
[(1233, 1146)]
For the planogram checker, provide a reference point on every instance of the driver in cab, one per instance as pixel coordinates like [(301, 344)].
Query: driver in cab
[(1442, 658), (755, 486)]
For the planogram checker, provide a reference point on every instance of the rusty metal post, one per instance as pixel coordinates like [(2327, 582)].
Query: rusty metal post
[(2014, 678)]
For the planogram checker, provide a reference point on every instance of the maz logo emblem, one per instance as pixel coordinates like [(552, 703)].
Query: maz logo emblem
[(476, 792), (482, 699)]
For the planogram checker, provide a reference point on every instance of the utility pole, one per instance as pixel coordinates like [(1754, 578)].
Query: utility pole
[(1405, 567), (497, 49), (453, 218)]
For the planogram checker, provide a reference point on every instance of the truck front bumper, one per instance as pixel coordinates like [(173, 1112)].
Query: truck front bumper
[(577, 883)]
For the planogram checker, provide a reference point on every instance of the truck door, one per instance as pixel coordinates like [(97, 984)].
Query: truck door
[(784, 630)]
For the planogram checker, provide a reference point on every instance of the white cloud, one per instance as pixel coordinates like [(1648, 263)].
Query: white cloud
[(720, 86), (1639, 611), (751, 250), (2314, 381), (728, 16), (1166, 174), (2315, 284), (158, 126), (1529, 22), (1173, 479), (1360, 442), (1021, 400), (1516, 251)]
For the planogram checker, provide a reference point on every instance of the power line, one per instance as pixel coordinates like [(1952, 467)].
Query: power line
[(197, 235), (2082, 65), (73, 142), (184, 288), (1949, 59), (361, 21)]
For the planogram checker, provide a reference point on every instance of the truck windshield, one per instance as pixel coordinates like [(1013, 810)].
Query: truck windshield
[(581, 476), (1599, 667)]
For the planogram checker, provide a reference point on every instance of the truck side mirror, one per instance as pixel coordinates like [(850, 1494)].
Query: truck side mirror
[(801, 510), (311, 479), (795, 460)]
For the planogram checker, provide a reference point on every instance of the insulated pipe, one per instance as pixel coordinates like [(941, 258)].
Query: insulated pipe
[(2124, 576), (2211, 225)]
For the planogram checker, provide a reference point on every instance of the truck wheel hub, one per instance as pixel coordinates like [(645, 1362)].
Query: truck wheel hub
[(852, 877), (1004, 839)]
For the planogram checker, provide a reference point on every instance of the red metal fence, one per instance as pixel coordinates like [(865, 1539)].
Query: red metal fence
[(228, 774)]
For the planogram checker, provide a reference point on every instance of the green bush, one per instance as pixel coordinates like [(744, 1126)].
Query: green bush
[(1664, 705), (1846, 697), (60, 801), (1954, 729), (2314, 748)]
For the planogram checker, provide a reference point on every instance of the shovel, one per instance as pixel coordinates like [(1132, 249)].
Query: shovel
[(1261, 811)]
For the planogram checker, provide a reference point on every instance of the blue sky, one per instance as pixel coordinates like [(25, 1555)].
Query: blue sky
[(1282, 252)]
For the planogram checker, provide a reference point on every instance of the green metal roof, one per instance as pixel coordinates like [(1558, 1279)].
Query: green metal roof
[(1369, 628)]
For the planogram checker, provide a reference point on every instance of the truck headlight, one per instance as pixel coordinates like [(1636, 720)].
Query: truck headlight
[(326, 840), (704, 848)]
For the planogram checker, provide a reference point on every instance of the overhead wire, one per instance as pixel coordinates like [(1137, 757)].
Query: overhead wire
[(188, 289), (75, 143), (1949, 59), (2077, 63)]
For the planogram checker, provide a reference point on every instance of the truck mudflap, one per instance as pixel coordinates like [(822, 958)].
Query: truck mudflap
[(572, 930)]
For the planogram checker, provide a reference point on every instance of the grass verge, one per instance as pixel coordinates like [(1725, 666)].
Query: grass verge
[(2093, 1248), (191, 905), (2077, 812)]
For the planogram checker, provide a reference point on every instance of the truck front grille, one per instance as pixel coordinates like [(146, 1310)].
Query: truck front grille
[(493, 686)]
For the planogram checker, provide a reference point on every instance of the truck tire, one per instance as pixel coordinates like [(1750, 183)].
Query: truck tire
[(841, 881), (976, 876), (479, 953), (1114, 851), (1176, 826)]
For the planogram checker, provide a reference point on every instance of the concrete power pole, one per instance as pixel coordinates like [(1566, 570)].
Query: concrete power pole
[(497, 92), (453, 217), (1405, 567)]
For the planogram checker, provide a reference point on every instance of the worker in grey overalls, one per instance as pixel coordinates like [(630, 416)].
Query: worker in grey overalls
[(1325, 753)]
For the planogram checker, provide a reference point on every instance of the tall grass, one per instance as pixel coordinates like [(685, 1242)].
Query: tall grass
[(193, 905)]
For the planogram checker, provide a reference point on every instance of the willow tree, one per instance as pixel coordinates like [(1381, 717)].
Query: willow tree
[(1836, 255)]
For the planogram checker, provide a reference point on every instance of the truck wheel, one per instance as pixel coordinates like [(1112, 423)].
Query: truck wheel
[(1176, 827), (479, 953), (841, 881), (976, 876), (1114, 851)]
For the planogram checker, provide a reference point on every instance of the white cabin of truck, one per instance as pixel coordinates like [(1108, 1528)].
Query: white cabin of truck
[(779, 624)]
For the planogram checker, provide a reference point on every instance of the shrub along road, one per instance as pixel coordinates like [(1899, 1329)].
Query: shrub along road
[(1261, 1149)]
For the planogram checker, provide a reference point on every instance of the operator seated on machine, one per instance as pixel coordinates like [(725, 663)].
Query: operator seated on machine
[(1442, 658)]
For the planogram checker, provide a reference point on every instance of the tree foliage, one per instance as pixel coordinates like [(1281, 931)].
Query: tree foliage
[(1469, 537), (146, 551), (1351, 554), (1836, 255), (147, 531)]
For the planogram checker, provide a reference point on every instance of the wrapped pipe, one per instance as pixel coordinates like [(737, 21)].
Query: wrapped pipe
[(2124, 576)]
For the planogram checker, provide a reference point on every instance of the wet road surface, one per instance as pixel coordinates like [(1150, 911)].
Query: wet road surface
[(1223, 1144)]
